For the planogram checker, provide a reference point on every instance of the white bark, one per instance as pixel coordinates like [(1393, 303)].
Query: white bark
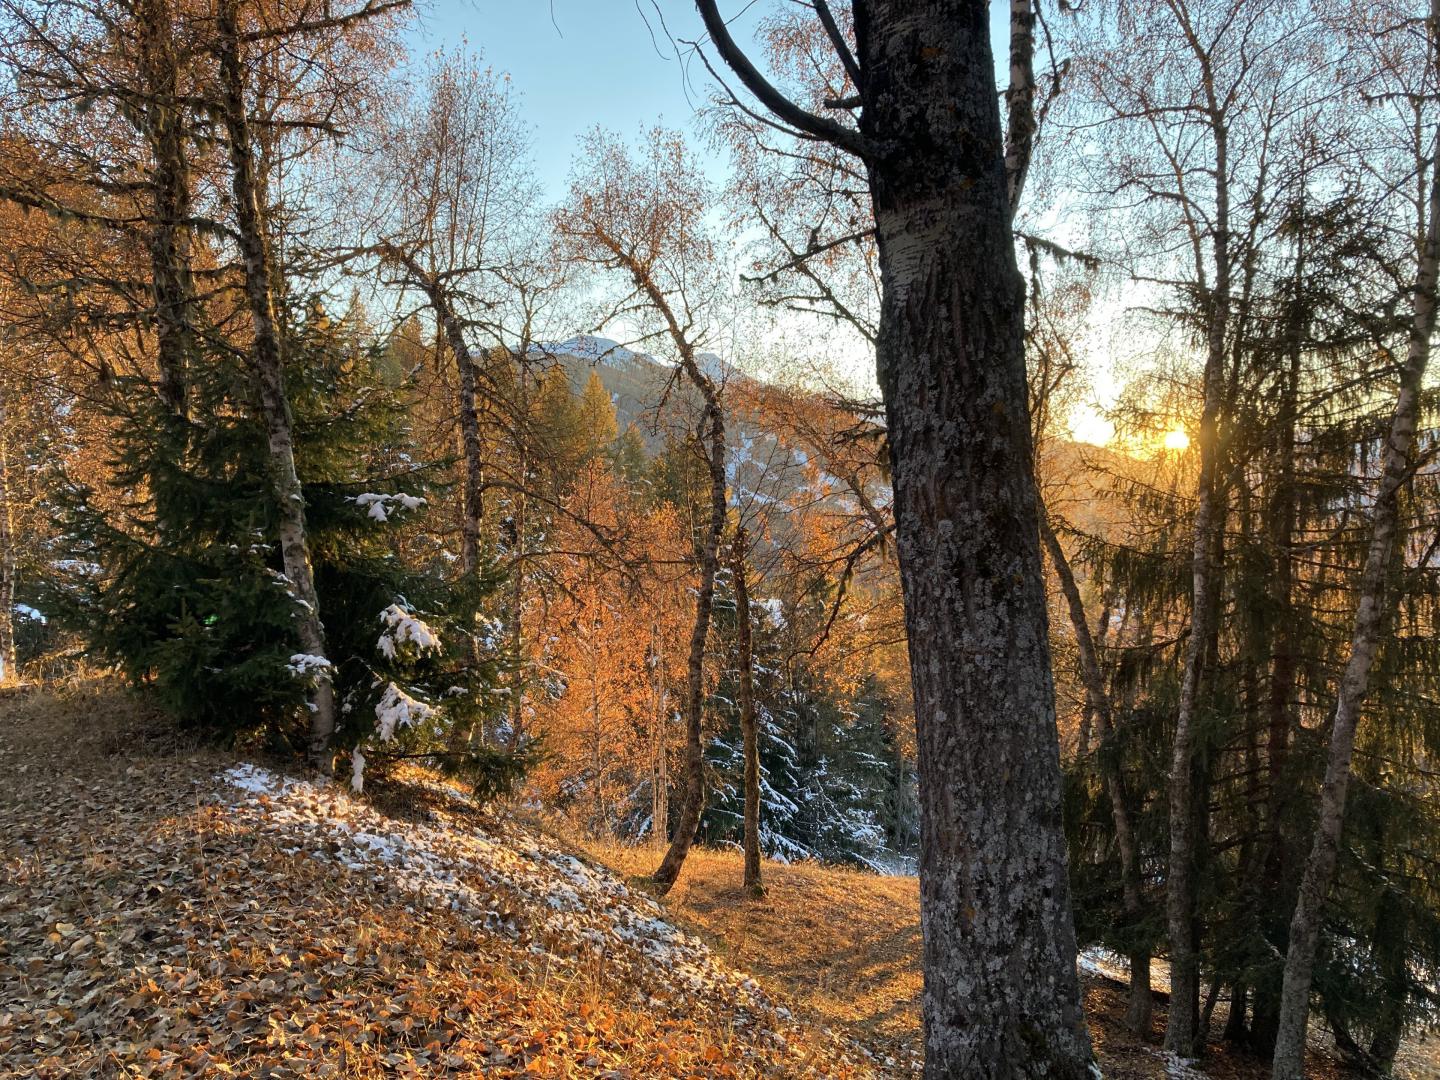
[(268, 363), (1374, 608)]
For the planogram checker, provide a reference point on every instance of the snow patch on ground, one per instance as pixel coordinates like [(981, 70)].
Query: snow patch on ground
[(507, 880), (1178, 1068)]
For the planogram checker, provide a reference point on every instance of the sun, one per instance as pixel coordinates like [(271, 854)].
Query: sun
[(1177, 440)]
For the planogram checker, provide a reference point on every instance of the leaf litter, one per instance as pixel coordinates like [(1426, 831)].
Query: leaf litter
[(167, 912)]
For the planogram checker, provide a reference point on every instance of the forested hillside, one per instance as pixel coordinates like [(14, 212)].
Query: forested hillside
[(989, 446)]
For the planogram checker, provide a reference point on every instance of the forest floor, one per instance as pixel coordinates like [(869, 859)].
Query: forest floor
[(845, 945), (168, 910)]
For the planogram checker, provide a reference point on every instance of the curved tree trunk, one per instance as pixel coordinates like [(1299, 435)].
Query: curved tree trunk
[(749, 729), (1097, 703), (694, 776), (267, 361), (1374, 608), (1002, 995)]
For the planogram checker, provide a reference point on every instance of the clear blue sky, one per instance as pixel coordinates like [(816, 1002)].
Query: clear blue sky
[(579, 63)]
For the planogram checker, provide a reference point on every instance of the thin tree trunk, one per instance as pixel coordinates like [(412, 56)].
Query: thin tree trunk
[(1181, 1027), (1376, 603), (1097, 702), (1087, 715), (268, 363), (1002, 994), (749, 729), (467, 400), (1235, 1029), (1276, 853), (1020, 100), (596, 742), (517, 566), (660, 774), (694, 801), (9, 664)]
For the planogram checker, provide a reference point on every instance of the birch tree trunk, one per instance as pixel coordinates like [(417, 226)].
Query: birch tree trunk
[(1182, 1025), (517, 564), (749, 729), (1376, 604), (268, 364), (1001, 992), (713, 425), (1097, 703)]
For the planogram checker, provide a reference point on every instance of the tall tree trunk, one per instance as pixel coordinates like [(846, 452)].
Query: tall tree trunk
[(598, 815), (1002, 995), (1097, 702), (1376, 604), (517, 564), (172, 282), (1182, 1024), (713, 429), (1273, 887), (749, 728), (267, 361), (660, 777), (9, 666)]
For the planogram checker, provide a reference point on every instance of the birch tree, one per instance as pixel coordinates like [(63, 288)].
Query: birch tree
[(1376, 600), (455, 180), (237, 48), (641, 221), (1195, 101)]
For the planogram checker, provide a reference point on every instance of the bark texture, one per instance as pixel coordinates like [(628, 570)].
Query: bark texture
[(1376, 604), (1098, 705), (172, 282), (749, 729), (1002, 997), (9, 668), (1182, 1025), (268, 363), (713, 427), (1001, 994)]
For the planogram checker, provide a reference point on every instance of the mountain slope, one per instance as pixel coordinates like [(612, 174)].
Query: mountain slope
[(166, 912)]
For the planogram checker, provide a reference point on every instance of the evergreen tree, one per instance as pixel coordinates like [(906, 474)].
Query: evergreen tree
[(186, 593)]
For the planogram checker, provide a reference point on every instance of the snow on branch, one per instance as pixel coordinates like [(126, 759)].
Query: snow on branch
[(404, 629), (395, 709), (379, 506)]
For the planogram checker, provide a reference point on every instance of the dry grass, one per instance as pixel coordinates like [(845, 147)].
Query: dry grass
[(845, 947), (842, 944)]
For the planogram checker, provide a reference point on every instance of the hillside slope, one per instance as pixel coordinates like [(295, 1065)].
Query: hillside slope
[(166, 912), (171, 911)]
